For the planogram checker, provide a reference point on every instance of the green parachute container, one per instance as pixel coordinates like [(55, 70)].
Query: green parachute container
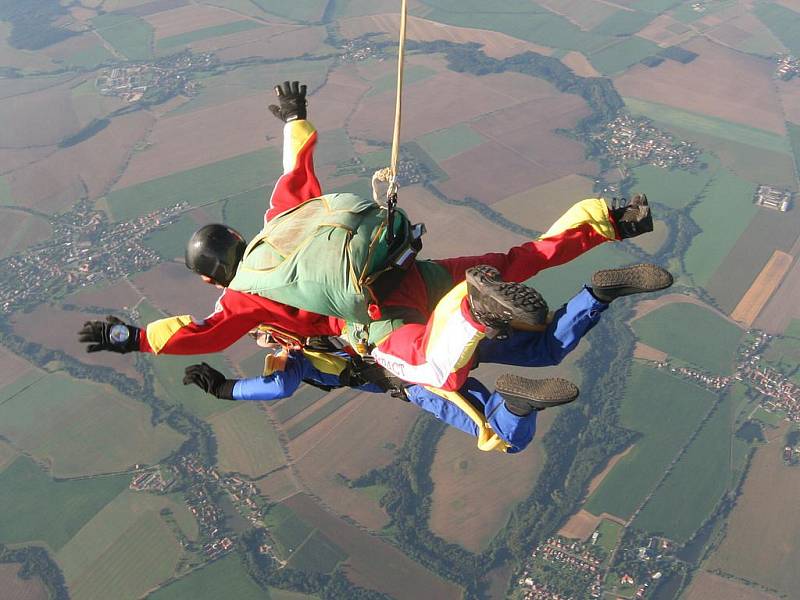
[(326, 256)]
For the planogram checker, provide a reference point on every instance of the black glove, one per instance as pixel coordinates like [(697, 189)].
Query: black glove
[(112, 335), (209, 380), (292, 99)]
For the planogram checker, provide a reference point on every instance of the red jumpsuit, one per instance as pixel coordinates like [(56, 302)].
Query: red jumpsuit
[(438, 353)]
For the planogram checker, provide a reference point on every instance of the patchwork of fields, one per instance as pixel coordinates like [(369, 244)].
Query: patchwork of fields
[(487, 153)]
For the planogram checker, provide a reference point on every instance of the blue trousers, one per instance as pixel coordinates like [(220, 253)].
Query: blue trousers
[(525, 349)]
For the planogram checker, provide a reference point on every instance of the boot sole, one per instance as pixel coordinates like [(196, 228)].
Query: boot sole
[(635, 279), (513, 301), (538, 393)]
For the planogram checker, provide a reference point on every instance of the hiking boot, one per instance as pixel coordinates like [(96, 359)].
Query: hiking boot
[(610, 284), (632, 219), (523, 396), (496, 303)]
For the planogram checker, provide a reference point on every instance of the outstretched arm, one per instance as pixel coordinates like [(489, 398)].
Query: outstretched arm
[(299, 181)]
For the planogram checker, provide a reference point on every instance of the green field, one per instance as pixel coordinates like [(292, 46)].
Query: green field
[(654, 6), (411, 74), (623, 22), (618, 57), (559, 284), (169, 44), (783, 22), (128, 34), (246, 441), (702, 474), (245, 7), (665, 410), (305, 396), (199, 186), (90, 57), (321, 413), (446, 143), (317, 554), (674, 187), (723, 214), (773, 419), (794, 329), (143, 556), (223, 578), (82, 428), (518, 18), (298, 10), (609, 534), (794, 140), (36, 508), (693, 334), (742, 134), (234, 84), (286, 529), (169, 370)]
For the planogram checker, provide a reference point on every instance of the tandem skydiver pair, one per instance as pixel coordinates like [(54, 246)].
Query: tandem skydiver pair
[(324, 268)]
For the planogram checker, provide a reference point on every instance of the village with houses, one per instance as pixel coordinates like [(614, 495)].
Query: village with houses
[(788, 67), (629, 139), (84, 250)]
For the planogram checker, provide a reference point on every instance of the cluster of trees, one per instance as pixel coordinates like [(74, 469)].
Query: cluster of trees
[(31, 20), (36, 562), (267, 573)]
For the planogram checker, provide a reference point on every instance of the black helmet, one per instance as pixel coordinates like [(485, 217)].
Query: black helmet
[(215, 251)]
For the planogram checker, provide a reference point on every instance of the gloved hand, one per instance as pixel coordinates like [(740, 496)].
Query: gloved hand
[(209, 380), (292, 100), (112, 335)]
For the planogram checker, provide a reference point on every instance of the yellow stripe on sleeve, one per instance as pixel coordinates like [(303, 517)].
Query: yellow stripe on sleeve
[(593, 211), (159, 332), (295, 136)]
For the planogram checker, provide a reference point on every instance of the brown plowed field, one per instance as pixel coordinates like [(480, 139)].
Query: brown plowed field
[(763, 534), (580, 64), (189, 18), (454, 230), (707, 586), (495, 44), (175, 290), (94, 163), (15, 588), (335, 102), (783, 306), (646, 352), (14, 159), (57, 329), (762, 288), (272, 41), (40, 118), (661, 31), (360, 436), (427, 109), (373, 563), (737, 31), (277, 486), (539, 207), (189, 140), (789, 92), (474, 491), (792, 4), (523, 151), (19, 230), (12, 367), (706, 86)]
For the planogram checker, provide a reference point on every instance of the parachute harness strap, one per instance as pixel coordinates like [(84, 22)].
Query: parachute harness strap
[(389, 174)]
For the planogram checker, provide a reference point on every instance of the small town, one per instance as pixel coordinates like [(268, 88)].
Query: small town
[(359, 50), (788, 67), (83, 250), (168, 77), (772, 197), (712, 383), (559, 568), (637, 140), (779, 393)]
